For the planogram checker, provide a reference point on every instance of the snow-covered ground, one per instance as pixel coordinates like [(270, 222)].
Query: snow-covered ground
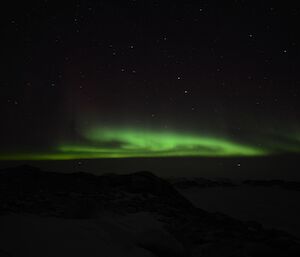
[(271, 206), (107, 235)]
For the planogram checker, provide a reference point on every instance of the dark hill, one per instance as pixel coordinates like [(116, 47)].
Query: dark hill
[(81, 195)]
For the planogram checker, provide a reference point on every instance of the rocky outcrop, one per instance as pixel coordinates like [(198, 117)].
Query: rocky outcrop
[(84, 196)]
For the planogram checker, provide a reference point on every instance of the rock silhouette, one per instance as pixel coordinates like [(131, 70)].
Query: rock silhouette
[(83, 196)]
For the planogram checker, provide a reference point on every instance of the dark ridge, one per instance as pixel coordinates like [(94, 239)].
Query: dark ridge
[(199, 182), (22, 169), (290, 185), (81, 195)]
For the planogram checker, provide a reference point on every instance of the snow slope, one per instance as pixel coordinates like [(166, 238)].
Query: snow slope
[(108, 235)]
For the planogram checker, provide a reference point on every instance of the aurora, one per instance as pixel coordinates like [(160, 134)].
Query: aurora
[(135, 143)]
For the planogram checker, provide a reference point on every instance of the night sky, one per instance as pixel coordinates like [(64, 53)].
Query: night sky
[(115, 79)]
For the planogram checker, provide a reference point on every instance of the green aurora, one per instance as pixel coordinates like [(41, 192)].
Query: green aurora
[(134, 143)]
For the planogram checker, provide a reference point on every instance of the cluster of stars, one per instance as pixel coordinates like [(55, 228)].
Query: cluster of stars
[(184, 61)]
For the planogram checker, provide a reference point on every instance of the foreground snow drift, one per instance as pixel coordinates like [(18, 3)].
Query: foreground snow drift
[(109, 235)]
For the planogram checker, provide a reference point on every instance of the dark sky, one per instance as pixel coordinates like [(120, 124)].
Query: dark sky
[(92, 79)]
